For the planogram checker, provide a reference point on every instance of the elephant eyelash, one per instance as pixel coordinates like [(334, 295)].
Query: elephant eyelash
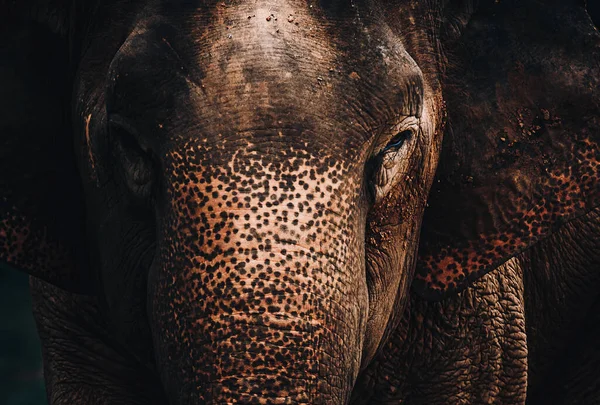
[(384, 167), (398, 140), (404, 131), (119, 125)]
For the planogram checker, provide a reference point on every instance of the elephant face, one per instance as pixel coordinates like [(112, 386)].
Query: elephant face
[(251, 181), (259, 163)]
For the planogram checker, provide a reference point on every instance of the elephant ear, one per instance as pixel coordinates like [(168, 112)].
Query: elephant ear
[(40, 195), (521, 150)]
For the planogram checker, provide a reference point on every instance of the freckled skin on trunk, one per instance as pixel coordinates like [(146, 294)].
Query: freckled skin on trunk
[(249, 288)]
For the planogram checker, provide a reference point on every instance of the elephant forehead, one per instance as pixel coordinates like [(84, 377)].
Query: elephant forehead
[(297, 62), (272, 65)]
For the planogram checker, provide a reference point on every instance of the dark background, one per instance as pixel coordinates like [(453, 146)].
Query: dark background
[(21, 380), (593, 7)]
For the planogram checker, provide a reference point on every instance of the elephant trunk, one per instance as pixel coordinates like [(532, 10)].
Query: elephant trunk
[(256, 355), (256, 297)]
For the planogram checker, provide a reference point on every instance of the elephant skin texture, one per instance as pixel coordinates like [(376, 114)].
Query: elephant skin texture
[(305, 202)]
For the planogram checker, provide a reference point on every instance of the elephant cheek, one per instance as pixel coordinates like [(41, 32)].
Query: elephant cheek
[(243, 313), (389, 275), (391, 245)]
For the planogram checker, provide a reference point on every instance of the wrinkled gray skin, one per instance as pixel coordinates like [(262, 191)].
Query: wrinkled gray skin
[(518, 333), (254, 178)]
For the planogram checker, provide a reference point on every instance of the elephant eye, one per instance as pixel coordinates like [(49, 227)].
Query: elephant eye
[(388, 166), (398, 141), (135, 160)]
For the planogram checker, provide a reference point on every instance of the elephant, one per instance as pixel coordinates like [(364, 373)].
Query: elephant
[(305, 202)]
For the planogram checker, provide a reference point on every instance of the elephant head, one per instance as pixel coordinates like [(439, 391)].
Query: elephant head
[(244, 184)]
